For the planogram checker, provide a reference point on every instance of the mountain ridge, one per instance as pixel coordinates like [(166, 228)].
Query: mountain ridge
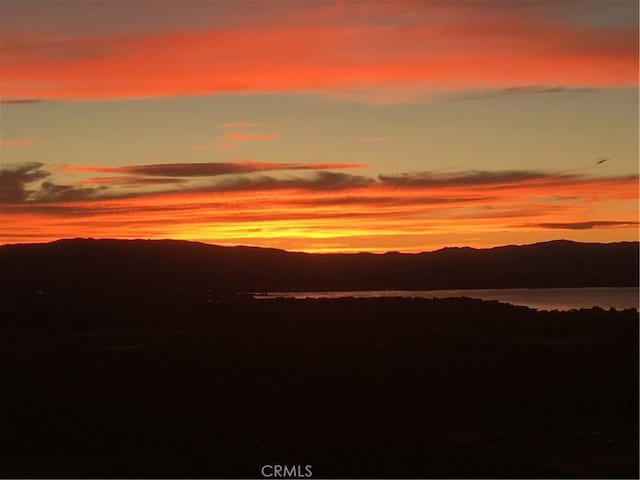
[(191, 268), (254, 247)]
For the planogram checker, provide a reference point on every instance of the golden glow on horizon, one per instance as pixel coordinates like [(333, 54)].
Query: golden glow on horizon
[(373, 218), (320, 127)]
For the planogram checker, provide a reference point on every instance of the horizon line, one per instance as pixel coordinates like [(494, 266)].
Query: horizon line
[(312, 251)]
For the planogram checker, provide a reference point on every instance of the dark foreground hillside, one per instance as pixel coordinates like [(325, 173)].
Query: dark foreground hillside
[(138, 268), (169, 387)]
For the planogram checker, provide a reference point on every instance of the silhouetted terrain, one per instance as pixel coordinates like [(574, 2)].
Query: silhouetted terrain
[(125, 269), (115, 364)]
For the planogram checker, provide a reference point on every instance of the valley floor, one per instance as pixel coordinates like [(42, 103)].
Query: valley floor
[(377, 387)]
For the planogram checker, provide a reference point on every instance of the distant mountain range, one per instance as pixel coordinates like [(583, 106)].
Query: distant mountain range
[(122, 269)]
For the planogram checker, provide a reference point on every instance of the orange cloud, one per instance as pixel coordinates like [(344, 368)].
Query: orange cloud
[(473, 52), (249, 137), (336, 211), (130, 181)]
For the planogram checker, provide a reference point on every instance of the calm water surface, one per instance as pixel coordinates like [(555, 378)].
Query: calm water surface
[(539, 298)]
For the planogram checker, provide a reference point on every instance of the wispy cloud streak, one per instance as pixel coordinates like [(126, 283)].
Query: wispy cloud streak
[(450, 50), (314, 207), (208, 169), (586, 225), (249, 137)]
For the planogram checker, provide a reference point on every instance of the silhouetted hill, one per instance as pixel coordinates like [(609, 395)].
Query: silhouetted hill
[(364, 388), (121, 364), (122, 268)]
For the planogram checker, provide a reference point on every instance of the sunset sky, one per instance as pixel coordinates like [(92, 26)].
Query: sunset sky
[(320, 125)]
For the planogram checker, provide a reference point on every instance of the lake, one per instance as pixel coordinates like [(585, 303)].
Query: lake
[(539, 298)]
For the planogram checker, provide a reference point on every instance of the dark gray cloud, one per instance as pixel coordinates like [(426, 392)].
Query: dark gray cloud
[(20, 101), (50, 192), (338, 181), (468, 178), (527, 90), (585, 225), (185, 169), (210, 169), (318, 181), (13, 181), (133, 181), (14, 184)]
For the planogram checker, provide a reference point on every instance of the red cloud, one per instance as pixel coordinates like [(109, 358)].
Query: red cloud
[(249, 137), (473, 53)]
